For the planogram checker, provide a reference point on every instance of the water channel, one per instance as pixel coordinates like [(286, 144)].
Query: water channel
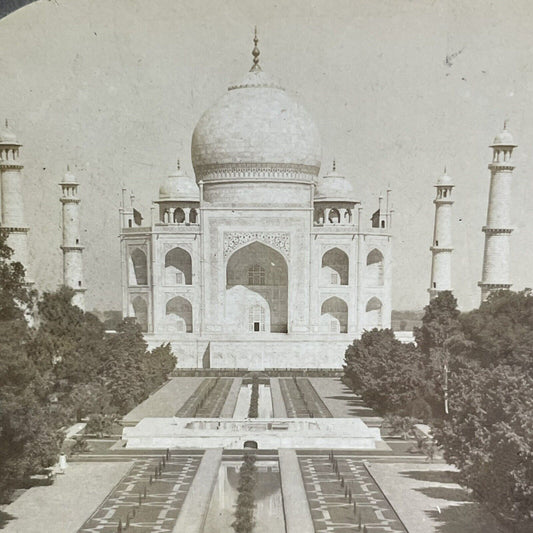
[(268, 515), (264, 406)]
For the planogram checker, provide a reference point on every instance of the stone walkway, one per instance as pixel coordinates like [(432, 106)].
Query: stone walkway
[(278, 405), (301, 399), (64, 506), (196, 505), (331, 508), (165, 401), (339, 399), (428, 500), (143, 499), (231, 400)]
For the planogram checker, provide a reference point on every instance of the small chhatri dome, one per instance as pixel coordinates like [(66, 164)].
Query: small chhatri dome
[(179, 186), (7, 136), (69, 177), (334, 187), (504, 138), (445, 179), (255, 122)]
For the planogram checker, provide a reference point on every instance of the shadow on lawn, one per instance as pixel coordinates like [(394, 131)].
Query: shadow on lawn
[(465, 518), (433, 476), (446, 493), (5, 518)]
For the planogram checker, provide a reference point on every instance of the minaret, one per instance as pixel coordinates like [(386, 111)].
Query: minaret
[(12, 206), (498, 229), (441, 249), (72, 249)]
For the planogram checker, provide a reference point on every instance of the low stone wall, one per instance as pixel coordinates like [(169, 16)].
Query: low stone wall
[(279, 351), (271, 434)]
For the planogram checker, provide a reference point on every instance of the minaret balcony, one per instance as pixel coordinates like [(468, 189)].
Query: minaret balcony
[(497, 167), (438, 249), (486, 229)]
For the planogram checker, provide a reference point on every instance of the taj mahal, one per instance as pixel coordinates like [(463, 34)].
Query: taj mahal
[(260, 260)]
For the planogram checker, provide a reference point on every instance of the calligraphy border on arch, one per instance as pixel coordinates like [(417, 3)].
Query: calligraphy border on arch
[(235, 239)]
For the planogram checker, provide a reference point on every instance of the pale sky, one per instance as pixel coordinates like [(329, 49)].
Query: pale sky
[(115, 87)]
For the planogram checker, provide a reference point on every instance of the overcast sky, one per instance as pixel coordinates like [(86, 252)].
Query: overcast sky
[(115, 88)]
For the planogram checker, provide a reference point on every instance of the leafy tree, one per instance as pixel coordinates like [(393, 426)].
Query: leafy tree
[(501, 330), (157, 365), (389, 375), (69, 342), (124, 371), (28, 439), (15, 296), (488, 434), (440, 323), (489, 437)]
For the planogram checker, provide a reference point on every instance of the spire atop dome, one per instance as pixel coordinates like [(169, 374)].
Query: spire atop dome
[(255, 53), (179, 164), (334, 166)]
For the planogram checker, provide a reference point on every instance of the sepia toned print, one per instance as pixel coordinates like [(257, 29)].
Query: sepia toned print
[(239, 294)]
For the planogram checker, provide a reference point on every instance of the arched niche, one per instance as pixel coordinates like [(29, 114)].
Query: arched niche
[(257, 275), (334, 315), (334, 216), (140, 312), (178, 267), (179, 216), (374, 313), (374, 268), (335, 267), (138, 268), (179, 315)]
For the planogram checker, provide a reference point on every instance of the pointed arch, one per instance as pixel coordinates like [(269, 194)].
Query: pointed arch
[(179, 216), (334, 216), (178, 267), (138, 268), (335, 267), (179, 315), (334, 315), (375, 268), (257, 275), (374, 313), (140, 312)]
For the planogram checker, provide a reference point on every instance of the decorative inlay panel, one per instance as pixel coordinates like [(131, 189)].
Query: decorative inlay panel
[(259, 171), (235, 239)]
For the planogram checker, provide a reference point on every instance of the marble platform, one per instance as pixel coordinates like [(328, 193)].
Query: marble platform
[(273, 433)]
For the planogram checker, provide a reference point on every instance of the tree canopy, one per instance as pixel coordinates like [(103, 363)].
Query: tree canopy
[(60, 369)]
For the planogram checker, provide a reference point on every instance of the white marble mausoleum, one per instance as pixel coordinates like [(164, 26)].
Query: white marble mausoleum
[(259, 260)]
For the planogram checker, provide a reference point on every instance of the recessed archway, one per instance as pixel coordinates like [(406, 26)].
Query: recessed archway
[(335, 267), (178, 267), (257, 278), (140, 311), (138, 268), (374, 313), (334, 315), (179, 315), (374, 268)]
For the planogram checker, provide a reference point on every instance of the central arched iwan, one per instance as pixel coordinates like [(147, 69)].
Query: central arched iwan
[(257, 289)]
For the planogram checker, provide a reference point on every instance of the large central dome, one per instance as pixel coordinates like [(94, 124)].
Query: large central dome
[(255, 122)]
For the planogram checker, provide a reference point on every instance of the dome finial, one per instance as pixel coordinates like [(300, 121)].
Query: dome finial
[(179, 164), (444, 169), (255, 53), (68, 168), (7, 123), (334, 165), (505, 122)]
